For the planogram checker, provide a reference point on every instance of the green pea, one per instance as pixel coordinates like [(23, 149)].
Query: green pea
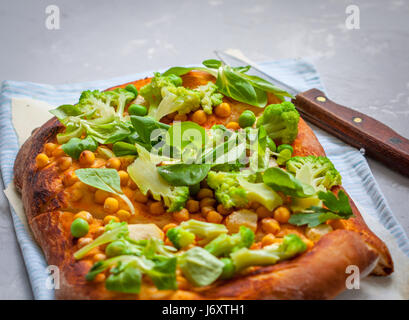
[(247, 119), (79, 228), (271, 144), (132, 88), (137, 110), (115, 248), (285, 146)]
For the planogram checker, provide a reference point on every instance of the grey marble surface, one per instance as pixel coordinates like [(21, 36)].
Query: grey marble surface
[(365, 69)]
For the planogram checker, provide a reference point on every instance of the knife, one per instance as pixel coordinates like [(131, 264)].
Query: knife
[(353, 127)]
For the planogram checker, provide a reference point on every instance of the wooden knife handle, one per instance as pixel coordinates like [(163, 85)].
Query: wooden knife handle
[(356, 129)]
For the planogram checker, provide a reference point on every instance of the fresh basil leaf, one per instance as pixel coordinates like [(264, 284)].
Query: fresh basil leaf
[(266, 86), (75, 146), (212, 63), (280, 180), (66, 110), (235, 85), (126, 281), (101, 178), (181, 134), (183, 174), (316, 217), (179, 71), (340, 206), (200, 267), (124, 149), (104, 179), (242, 69), (145, 127)]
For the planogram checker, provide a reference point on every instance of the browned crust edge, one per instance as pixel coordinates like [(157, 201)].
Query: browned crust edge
[(318, 274)]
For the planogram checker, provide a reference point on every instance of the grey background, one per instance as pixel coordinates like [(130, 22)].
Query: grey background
[(365, 69)]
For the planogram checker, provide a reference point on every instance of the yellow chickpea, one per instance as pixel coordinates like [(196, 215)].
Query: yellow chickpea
[(268, 239), (140, 197), (69, 178), (109, 218), (64, 163), (222, 210), (156, 208), (100, 196), (111, 205), (214, 217), (206, 210), (84, 215), (42, 160), (182, 215), (263, 212), (76, 194), (223, 110), (58, 152), (114, 163), (98, 231), (99, 257), (49, 148), (123, 215), (204, 193), (192, 205), (168, 227), (82, 242), (87, 158), (269, 225), (233, 125), (199, 117), (180, 117), (100, 277), (207, 202), (123, 175), (282, 214)]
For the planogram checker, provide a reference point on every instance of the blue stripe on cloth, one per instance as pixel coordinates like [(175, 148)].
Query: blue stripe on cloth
[(357, 177)]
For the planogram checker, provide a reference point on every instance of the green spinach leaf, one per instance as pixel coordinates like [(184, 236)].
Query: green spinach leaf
[(124, 149), (75, 146), (183, 174)]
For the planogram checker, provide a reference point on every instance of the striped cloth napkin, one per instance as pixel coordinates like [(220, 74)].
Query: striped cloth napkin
[(357, 177)]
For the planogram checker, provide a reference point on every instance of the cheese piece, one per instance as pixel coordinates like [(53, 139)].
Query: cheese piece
[(144, 231), (239, 218), (317, 232)]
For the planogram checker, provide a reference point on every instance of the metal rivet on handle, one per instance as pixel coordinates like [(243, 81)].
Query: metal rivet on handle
[(357, 120), (321, 99)]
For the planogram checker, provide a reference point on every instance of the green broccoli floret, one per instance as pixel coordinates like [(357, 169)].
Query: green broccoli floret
[(180, 237), (318, 172), (144, 173), (233, 189), (225, 244), (209, 97), (292, 245), (152, 92), (98, 114), (206, 231), (280, 121), (176, 99)]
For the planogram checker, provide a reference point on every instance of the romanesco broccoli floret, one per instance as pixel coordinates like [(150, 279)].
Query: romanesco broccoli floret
[(225, 244), (318, 172), (236, 189), (144, 173), (280, 121), (209, 97)]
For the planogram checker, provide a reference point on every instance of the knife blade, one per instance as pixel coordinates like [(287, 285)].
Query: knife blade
[(353, 127)]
